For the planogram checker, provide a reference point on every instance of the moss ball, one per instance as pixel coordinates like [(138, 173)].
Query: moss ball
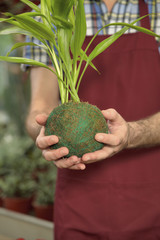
[(76, 124)]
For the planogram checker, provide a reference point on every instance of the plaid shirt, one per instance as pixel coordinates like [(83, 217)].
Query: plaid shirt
[(97, 16)]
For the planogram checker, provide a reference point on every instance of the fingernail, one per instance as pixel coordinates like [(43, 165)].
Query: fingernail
[(82, 167), (86, 158), (54, 139), (99, 137), (64, 152)]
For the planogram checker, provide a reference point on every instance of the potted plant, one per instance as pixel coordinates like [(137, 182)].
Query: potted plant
[(43, 203), (13, 151), (62, 33), (17, 192), (39, 164)]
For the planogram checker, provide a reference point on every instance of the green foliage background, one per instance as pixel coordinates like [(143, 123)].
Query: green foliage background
[(20, 160)]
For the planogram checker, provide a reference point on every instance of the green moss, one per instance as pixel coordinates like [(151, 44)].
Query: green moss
[(76, 125)]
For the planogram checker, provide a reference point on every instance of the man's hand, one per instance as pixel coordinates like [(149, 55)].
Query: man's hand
[(114, 141), (58, 155)]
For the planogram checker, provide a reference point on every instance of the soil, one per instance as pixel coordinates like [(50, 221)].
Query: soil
[(76, 125)]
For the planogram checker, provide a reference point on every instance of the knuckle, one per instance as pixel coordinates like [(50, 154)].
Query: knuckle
[(66, 163), (49, 141), (113, 111), (40, 143), (56, 155), (118, 141)]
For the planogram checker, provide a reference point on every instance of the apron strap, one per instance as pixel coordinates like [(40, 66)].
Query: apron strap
[(143, 10)]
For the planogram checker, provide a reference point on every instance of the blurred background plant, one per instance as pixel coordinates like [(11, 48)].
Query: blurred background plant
[(44, 194), (14, 6), (20, 160), (43, 202)]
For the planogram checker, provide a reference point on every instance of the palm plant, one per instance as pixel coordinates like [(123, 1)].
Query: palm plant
[(61, 32)]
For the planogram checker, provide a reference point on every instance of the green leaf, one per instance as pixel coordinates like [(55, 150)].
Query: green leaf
[(3, 19), (62, 8), (13, 30), (107, 42), (140, 29), (64, 38), (102, 46), (27, 14), (31, 5), (31, 14), (45, 10), (85, 58), (37, 28), (9, 20), (71, 18), (17, 45), (80, 30), (19, 29), (25, 61), (61, 22)]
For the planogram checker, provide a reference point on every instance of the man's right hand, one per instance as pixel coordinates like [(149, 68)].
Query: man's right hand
[(56, 155)]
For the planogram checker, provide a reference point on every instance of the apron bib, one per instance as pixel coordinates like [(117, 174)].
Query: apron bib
[(117, 198)]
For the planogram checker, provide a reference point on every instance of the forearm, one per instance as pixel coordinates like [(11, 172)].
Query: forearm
[(44, 98), (144, 133)]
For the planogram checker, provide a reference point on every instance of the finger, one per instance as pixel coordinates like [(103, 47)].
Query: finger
[(79, 166), (41, 119), (70, 163), (111, 114), (108, 139), (97, 155), (52, 155), (42, 132), (44, 142)]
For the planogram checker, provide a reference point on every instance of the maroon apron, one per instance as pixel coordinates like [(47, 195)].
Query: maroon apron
[(117, 198)]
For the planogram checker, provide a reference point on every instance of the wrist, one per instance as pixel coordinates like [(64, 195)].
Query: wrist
[(140, 134), (132, 134)]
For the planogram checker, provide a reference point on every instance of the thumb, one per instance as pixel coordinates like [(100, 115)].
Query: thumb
[(41, 119), (111, 114)]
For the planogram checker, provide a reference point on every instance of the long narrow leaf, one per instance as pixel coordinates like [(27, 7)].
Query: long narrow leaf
[(140, 29), (30, 14), (25, 61), (80, 30), (3, 19), (85, 58), (18, 45), (64, 38), (102, 46), (13, 30), (31, 5), (45, 10), (35, 27), (20, 29), (115, 36), (61, 22), (62, 7), (107, 42)]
